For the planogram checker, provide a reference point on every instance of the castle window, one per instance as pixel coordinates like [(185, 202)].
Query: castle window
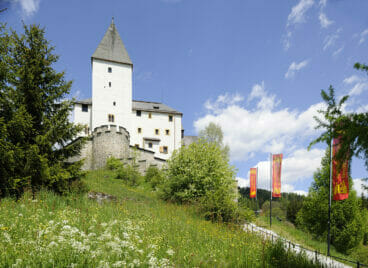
[(157, 131), (164, 149), (139, 130), (156, 107), (136, 146), (109, 84), (114, 103), (109, 70), (138, 113), (84, 107), (150, 145), (149, 115), (170, 118), (167, 131), (111, 118)]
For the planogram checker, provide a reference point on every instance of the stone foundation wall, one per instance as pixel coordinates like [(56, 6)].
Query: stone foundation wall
[(111, 140)]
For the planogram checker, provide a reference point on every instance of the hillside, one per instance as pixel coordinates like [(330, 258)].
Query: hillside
[(136, 228)]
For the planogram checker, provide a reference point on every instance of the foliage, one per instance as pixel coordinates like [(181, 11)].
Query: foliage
[(128, 173), (347, 219), (113, 163), (293, 207), (200, 173), (213, 134), (35, 131), (154, 177), (278, 256)]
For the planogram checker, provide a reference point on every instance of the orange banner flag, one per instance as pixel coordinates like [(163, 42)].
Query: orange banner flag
[(276, 175), (340, 180), (253, 183)]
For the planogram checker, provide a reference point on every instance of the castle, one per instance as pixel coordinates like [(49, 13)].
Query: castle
[(114, 122)]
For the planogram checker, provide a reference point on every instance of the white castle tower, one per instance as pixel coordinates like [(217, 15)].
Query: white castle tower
[(111, 81)]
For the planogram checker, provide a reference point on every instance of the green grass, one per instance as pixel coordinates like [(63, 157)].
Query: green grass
[(288, 231), (138, 230)]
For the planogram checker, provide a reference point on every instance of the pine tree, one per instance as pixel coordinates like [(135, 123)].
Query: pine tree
[(35, 132)]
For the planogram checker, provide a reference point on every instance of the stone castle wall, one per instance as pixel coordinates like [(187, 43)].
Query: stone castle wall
[(112, 140)]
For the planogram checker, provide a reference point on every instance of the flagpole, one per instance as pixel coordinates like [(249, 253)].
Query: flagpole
[(257, 185), (270, 190), (329, 201)]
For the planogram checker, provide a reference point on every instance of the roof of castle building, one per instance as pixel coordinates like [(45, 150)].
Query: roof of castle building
[(111, 47), (153, 107), (147, 106)]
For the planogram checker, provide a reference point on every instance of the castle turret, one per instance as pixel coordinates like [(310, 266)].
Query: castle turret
[(111, 81)]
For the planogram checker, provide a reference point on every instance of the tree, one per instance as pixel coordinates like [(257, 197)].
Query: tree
[(35, 132), (213, 134), (347, 219), (199, 173)]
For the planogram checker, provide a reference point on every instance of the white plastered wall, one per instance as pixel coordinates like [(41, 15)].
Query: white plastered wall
[(148, 126), (81, 117), (104, 96)]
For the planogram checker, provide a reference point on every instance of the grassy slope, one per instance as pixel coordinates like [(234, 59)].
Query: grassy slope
[(288, 230)]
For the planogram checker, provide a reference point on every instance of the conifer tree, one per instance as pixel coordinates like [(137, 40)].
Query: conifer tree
[(35, 133)]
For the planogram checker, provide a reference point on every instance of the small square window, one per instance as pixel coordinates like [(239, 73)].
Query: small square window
[(167, 131), (170, 118), (109, 84), (109, 70), (157, 131), (165, 149), (139, 130), (84, 107), (150, 145), (136, 146), (111, 118), (150, 115), (114, 103), (138, 113)]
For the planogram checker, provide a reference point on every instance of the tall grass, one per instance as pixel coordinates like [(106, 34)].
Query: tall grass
[(138, 230)]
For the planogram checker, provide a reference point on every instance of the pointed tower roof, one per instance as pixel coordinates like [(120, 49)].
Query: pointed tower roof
[(111, 47)]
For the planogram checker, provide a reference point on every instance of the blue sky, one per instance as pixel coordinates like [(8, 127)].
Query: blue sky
[(254, 67)]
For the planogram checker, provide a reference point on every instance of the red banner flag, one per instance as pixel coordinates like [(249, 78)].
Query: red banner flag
[(253, 183), (340, 180), (276, 175)]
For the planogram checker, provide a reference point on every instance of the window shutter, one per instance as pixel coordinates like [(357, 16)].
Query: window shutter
[(161, 149)]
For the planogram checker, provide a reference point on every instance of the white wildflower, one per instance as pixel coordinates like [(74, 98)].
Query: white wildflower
[(104, 224), (34, 201), (170, 252), (53, 244), (103, 264), (119, 264), (17, 263), (20, 215)]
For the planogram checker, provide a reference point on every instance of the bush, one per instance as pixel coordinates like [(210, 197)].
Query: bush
[(278, 256), (200, 173), (113, 163), (129, 174), (154, 177)]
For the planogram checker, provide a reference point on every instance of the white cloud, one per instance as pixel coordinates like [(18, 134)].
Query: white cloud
[(297, 14), (351, 79), (360, 84), (242, 182), (363, 36), (323, 3), (29, 7), (294, 67), (330, 40), (248, 130), (357, 186), (223, 101), (325, 22), (338, 51)]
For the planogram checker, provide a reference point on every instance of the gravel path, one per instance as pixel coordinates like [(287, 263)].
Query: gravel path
[(268, 234)]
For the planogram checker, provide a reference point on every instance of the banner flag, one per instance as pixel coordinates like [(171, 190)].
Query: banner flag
[(340, 180), (276, 175), (253, 183)]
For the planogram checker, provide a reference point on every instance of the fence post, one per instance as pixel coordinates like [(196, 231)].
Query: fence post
[(272, 238), (252, 228), (315, 252), (358, 264), (289, 244)]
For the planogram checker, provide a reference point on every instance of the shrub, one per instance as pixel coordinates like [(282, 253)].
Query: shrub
[(200, 173), (129, 174), (113, 163), (154, 177)]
